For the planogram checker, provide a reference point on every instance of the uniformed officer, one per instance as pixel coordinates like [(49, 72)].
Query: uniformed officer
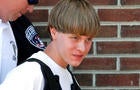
[(18, 38)]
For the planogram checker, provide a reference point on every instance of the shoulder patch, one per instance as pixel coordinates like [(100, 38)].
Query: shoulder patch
[(33, 37)]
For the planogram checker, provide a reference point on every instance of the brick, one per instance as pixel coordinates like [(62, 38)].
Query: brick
[(130, 2), (38, 16), (119, 14), (42, 31), (107, 31), (91, 49), (47, 2), (130, 31), (84, 79), (94, 2), (103, 2), (117, 80), (118, 47), (97, 64), (130, 63)]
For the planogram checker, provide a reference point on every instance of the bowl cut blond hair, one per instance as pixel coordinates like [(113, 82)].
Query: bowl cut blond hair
[(74, 17)]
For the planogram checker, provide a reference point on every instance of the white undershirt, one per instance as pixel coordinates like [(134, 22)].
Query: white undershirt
[(8, 50), (65, 77)]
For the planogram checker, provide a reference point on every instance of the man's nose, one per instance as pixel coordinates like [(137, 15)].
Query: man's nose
[(81, 46)]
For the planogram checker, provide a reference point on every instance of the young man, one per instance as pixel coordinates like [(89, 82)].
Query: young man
[(72, 26), (15, 46)]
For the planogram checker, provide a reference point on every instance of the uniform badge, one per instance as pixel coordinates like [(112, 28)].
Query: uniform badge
[(33, 38)]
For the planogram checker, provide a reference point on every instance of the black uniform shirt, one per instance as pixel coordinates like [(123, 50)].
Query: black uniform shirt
[(27, 39)]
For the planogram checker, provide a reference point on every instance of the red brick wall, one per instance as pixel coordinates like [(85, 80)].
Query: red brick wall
[(114, 61)]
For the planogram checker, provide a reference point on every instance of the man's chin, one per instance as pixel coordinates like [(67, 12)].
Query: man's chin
[(7, 20), (13, 18)]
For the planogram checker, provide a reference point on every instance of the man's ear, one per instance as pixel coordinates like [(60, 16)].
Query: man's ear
[(53, 33)]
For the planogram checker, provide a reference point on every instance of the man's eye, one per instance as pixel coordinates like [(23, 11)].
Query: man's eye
[(75, 37)]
